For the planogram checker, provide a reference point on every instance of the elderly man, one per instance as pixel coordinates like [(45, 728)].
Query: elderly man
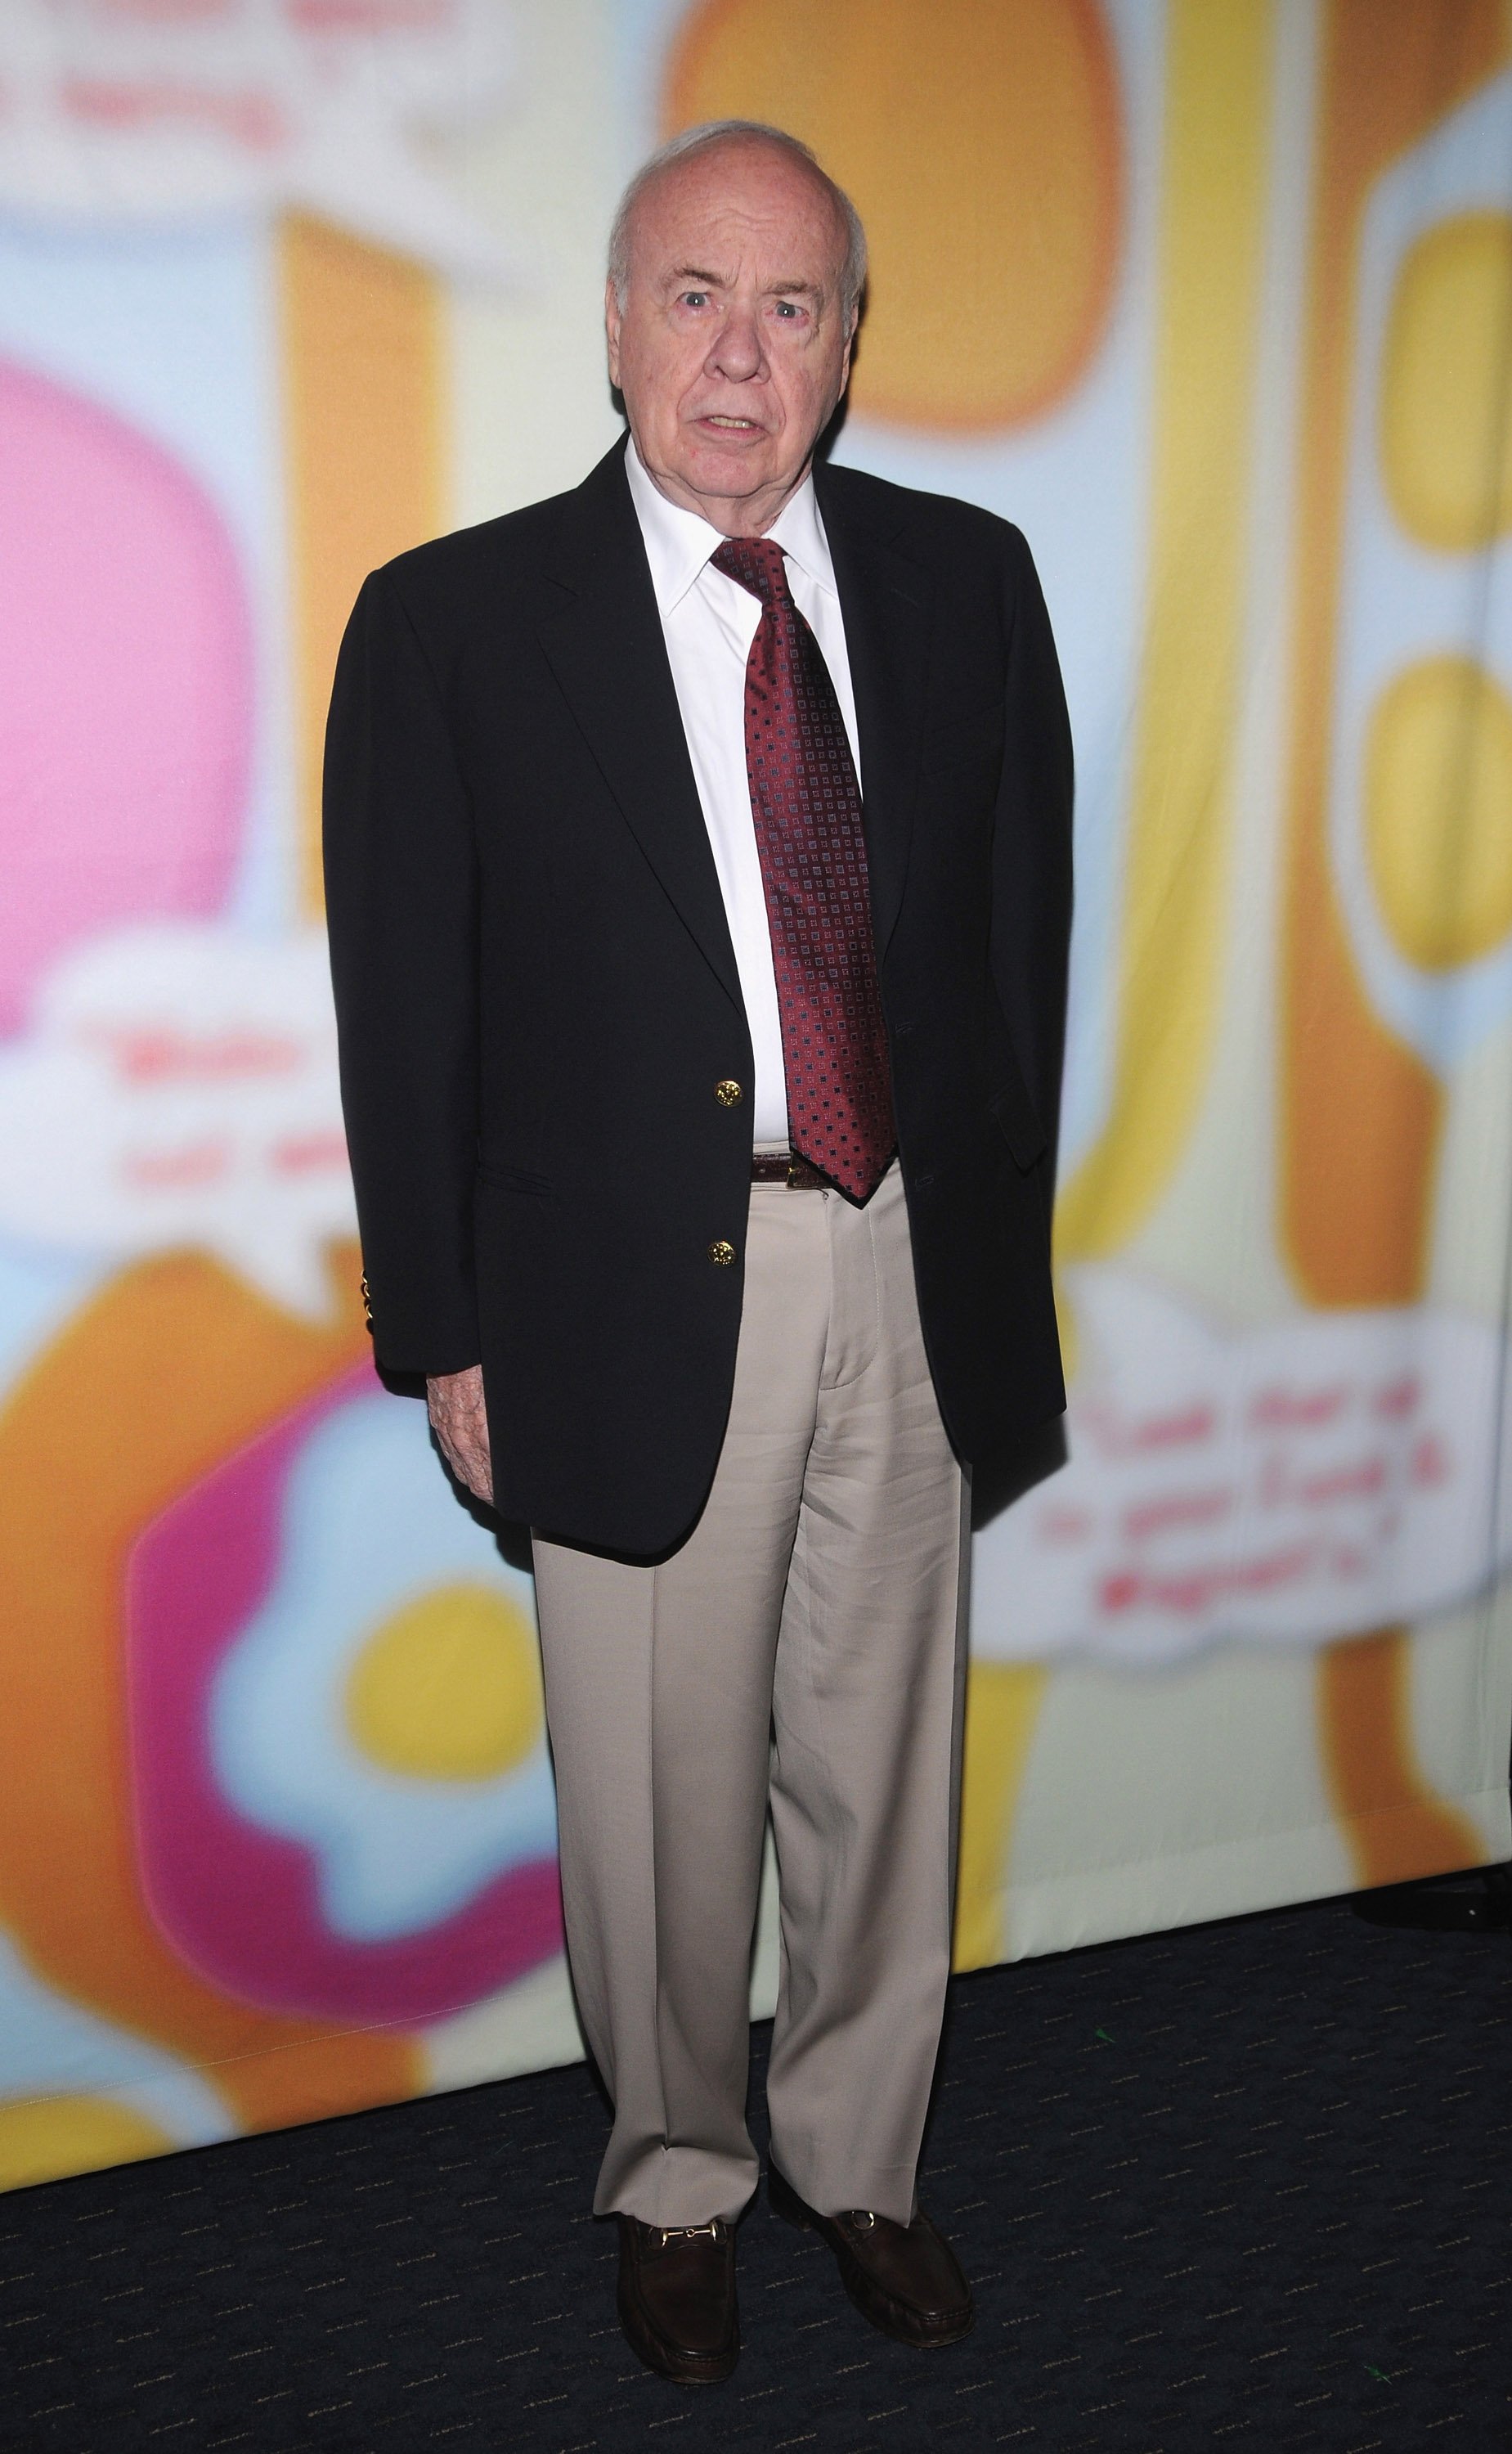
[(698, 861)]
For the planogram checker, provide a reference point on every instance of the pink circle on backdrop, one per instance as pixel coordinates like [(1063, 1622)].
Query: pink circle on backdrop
[(125, 682)]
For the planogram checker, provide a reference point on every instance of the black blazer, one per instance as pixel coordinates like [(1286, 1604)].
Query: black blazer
[(536, 989)]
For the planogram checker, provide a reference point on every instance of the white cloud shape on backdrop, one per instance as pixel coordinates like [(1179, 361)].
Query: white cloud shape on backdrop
[(1290, 1485), (177, 1086), (130, 110)]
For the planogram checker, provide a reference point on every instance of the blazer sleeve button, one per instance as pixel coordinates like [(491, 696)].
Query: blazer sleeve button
[(728, 1094), (720, 1254)]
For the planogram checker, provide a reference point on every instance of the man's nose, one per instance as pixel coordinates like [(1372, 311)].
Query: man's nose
[(737, 354)]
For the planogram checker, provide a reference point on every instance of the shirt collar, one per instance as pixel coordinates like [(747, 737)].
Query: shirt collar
[(679, 543)]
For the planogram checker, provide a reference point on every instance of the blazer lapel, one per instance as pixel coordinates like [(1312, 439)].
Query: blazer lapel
[(888, 603), (605, 646)]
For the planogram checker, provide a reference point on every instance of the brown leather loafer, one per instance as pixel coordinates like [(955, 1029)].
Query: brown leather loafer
[(903, 2277), (677, 2299)]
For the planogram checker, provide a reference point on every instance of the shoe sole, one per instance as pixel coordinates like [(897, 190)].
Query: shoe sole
[(887, 2315)]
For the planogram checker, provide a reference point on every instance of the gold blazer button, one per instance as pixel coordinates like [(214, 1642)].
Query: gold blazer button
[(720, 1254), (728, 1094)]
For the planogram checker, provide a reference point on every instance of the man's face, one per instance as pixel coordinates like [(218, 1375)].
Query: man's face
[(732, 349)]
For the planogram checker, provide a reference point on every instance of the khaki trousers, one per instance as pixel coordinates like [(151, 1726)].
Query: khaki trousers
[(803, 1647)]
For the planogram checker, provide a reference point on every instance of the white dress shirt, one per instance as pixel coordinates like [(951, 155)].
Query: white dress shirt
[(709, 623)]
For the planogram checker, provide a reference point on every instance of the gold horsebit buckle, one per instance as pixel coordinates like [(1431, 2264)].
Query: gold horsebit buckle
[(862, 2218)]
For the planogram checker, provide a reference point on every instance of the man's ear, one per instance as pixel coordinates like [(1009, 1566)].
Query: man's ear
[(612, 320)]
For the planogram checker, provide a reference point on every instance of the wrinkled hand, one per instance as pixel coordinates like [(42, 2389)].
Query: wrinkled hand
[(457, 1418)]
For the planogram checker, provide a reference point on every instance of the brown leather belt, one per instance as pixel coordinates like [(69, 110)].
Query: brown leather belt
[(786, 1167)]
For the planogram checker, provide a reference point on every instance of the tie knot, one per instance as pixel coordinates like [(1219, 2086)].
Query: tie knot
[(755, 563)]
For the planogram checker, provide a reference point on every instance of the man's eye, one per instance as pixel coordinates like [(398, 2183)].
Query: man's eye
[(787, 307), (695, 298)]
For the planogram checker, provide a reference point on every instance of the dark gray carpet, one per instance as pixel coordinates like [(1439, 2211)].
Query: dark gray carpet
[(1245, 2185)]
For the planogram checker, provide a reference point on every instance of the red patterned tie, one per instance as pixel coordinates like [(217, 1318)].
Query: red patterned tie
[(805, 803)]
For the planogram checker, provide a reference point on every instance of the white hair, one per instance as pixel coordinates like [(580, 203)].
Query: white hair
[(703, 140)]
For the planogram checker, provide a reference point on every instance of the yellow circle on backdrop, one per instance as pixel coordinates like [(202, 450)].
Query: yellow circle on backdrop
[(1446, 385), (980, 140), (51, 2136), (1439, 811), (448, 1688)]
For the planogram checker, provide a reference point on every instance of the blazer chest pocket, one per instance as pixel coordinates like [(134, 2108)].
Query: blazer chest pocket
[(1020, 1126)]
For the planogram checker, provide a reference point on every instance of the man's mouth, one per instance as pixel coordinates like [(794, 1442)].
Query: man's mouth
[(733, 425)]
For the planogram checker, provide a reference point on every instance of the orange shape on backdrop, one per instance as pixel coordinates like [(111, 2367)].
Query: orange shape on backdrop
[(173, 1365), (362, 331), (1360, 1112), (982, 143), (1398, 1829)]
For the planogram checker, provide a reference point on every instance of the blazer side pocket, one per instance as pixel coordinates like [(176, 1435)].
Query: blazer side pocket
[(506, 1179)]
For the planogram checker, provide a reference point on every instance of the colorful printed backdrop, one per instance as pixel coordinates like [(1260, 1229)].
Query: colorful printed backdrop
[(1215, 298)]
